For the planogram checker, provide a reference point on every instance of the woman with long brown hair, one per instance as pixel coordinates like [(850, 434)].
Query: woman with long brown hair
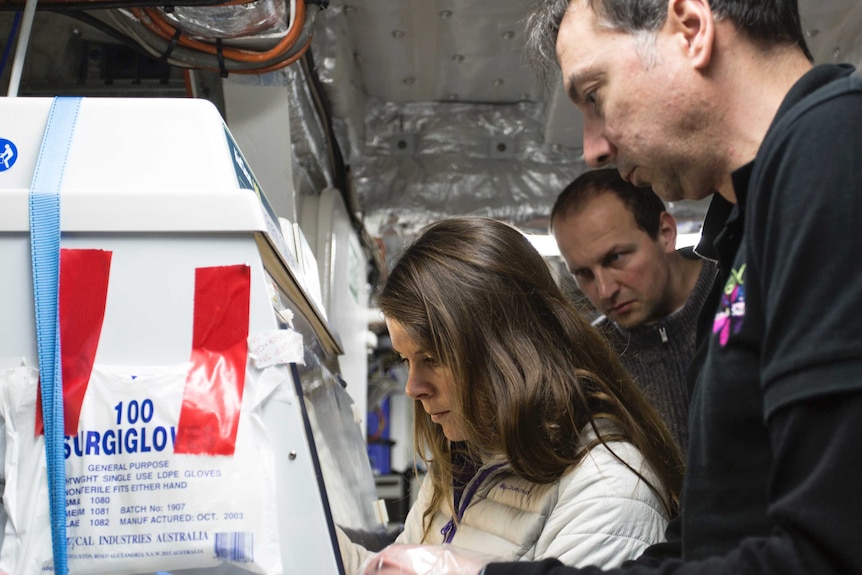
[(537, 442)]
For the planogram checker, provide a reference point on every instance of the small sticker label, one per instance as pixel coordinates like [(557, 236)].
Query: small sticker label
[(8, 154)]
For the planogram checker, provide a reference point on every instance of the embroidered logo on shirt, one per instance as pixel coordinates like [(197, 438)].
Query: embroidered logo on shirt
[(731, 311), (506, 487)]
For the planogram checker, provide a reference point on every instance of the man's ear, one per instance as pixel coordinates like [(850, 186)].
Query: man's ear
[(667, 231), (692, 22)]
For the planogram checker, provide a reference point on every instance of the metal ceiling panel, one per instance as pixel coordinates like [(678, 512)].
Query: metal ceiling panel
[(441, 50), (412, 60)]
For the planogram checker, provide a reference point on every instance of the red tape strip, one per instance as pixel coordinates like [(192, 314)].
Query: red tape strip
[(212, 398), (83, 294)]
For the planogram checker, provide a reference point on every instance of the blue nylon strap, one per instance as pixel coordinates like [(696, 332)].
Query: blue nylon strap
[(45, 257)]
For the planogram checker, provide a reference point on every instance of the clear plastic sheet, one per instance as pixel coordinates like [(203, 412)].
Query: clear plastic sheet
[(232, 21), (339, 440), (341, 449), (424, 560)]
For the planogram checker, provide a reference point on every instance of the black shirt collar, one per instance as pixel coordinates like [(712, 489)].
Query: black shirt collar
[(722, 212), (812, 80), (716, 217)]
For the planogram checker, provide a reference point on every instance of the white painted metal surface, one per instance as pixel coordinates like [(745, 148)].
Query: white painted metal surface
[(124, 157)]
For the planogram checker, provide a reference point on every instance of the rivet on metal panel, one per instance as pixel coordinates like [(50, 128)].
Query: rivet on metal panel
[(402, 144), (409, 81), (458, 58), (508, 35), (291, 455), (498, 82), (397, 34), (445, 14), (502, 147)]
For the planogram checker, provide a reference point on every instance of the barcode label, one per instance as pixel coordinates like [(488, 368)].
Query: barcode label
[(236, 546)]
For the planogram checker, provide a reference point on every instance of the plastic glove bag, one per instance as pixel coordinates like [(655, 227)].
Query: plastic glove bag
[(27, 537), (134, 506), (424, 560)]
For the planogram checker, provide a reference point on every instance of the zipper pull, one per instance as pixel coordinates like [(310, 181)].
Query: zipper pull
[(448, 531), (662, 331)]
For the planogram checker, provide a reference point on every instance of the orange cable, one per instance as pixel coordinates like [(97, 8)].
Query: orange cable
[(156, 24), (277, 65), (167, 32), (234, 2), (265, 69), (187, 79)]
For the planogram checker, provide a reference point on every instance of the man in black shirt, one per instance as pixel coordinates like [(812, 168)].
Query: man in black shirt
[(699, 97)]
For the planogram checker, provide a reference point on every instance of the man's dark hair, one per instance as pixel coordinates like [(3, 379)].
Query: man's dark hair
[(643, 203), (770, 22)]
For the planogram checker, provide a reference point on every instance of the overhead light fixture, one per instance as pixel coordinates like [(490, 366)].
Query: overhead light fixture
[(546, 245)]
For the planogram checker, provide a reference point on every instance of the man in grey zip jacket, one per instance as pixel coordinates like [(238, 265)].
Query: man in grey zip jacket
[(619, 244)]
